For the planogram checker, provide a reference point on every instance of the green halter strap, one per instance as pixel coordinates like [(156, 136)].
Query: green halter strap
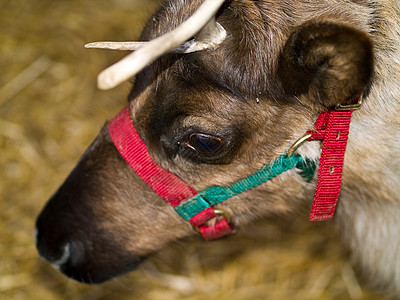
[(217, 194)]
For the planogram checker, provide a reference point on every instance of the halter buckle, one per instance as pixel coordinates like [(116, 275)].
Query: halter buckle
[(219, 228)]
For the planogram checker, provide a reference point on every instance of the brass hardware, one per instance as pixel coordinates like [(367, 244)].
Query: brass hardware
[(351, 106), (298, 143), (220, 212), (305, 137)]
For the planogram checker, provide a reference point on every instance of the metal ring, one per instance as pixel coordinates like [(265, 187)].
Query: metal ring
[(223, 213), (298, 143)]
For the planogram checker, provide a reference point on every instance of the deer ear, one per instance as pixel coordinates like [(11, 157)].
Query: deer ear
[(330, 64)]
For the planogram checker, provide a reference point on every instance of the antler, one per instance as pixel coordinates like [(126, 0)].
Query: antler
[(128, 46), (210, 37), (202, 21)]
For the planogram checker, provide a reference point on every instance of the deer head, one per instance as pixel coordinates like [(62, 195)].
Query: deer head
[(212, 104)]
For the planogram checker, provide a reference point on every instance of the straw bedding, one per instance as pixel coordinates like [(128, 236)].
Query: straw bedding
[(50, 110)]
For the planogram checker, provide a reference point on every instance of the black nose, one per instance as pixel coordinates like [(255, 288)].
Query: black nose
[(58, 247), (57, 257), (70, 250), (66, 255), (51, 244), (63, 255), (73, 263)]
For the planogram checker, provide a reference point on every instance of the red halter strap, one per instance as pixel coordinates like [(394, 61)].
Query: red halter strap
[(332, 127), (167, 185)]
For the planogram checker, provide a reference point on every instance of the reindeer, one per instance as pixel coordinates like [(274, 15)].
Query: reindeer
[(220, 130)]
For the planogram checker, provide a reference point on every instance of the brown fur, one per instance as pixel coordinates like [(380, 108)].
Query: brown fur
[(282, 63)]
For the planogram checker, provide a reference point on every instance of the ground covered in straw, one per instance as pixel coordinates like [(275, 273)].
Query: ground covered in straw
[(50, 110)]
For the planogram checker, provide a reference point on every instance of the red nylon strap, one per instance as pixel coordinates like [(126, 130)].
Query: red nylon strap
[(220, 229), (167, 185), (333, 128), (134, 151), (203, 217)]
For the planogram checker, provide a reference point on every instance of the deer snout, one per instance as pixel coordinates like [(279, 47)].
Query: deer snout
[(80, 258), (73, 239), (86, 230)]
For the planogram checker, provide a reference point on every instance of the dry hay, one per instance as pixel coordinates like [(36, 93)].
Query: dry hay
[(50, 110)]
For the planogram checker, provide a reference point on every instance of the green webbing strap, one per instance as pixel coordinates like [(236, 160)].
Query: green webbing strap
[(216, 194)]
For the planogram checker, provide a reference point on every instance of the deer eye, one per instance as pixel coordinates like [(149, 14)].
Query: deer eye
[(205, 144)]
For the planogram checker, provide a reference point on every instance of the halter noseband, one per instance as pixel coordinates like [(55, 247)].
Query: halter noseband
[(332, 127), (195, 207)]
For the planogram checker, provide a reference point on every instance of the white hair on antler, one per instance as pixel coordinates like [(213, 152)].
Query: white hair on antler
[(202, 22)]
